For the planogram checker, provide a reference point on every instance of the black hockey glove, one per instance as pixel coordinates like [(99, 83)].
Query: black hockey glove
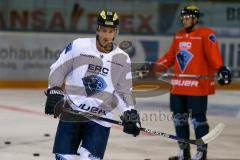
[(54, 95), (131, 122), (224, 75), (145, 70)]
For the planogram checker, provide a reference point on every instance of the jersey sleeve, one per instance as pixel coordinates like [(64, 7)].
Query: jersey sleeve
[(123, 89), (62, 67), (211, 50), (167, 60)]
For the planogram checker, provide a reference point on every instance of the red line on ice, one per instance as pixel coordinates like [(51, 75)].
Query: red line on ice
[(24, 110)]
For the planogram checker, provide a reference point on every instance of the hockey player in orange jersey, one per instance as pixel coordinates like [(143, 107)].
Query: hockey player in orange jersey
[(194, 50)]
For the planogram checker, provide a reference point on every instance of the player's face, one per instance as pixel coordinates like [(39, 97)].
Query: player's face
[(106, 35), (187, 21)]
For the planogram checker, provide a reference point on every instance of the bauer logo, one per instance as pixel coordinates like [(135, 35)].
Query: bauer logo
[(92, 109), (186, 83)]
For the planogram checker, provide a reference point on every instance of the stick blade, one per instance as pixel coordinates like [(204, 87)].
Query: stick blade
[(214, 133)]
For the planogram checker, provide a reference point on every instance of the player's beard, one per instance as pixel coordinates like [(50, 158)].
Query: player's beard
[(191, 27), (107, 47)]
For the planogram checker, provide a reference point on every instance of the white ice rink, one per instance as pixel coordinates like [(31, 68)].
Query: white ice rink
[(23, 125)]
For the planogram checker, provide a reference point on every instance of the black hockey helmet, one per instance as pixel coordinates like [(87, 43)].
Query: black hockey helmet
[(108, 19), (190, 10)]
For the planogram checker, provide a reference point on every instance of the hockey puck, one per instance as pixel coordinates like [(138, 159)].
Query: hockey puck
[(46, 135), (7, 142), (36, 154)]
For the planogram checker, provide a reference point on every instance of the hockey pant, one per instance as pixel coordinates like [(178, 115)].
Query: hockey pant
[(185, 107)]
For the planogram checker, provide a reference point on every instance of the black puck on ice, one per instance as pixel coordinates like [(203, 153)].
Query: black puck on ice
[(46, 135), (7, 142), (36, 154)]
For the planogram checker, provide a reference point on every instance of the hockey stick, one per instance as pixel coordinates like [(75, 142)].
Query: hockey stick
[(173, 75), (146, 84), (142, 70), (67, 114), (161, 83)]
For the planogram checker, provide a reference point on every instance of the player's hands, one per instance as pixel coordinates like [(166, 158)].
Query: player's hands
[(131, 122), (144, 70), (54, 95), (224, 75)]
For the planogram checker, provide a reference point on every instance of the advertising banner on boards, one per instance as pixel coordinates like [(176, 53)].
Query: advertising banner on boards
[(28, 56)]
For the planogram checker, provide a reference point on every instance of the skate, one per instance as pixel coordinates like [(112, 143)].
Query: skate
[(184, 154), (200, 155)]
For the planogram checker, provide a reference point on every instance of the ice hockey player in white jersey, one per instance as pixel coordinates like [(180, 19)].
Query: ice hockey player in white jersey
[(96, 76)]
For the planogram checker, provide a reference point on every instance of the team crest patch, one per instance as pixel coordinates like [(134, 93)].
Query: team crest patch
[(68, 48), (94, 84), (212, 38), (183, 59)]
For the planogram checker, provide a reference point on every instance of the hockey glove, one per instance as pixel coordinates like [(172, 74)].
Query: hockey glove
[(131, 122), (145, 70), (224, 75), (54, 95)]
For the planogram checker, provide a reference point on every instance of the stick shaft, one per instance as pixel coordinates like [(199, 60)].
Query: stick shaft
[(169, 136), (171, 75), (90, 116)]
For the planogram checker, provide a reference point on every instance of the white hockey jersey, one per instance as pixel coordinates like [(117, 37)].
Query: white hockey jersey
[(94, 81)]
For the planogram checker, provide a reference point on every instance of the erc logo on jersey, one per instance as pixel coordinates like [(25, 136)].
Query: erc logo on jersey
[(183, 59), (98, 69), (185, 45), (94, 84)]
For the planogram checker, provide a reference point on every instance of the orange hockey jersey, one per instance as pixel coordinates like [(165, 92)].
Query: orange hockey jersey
[(196, 53)]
